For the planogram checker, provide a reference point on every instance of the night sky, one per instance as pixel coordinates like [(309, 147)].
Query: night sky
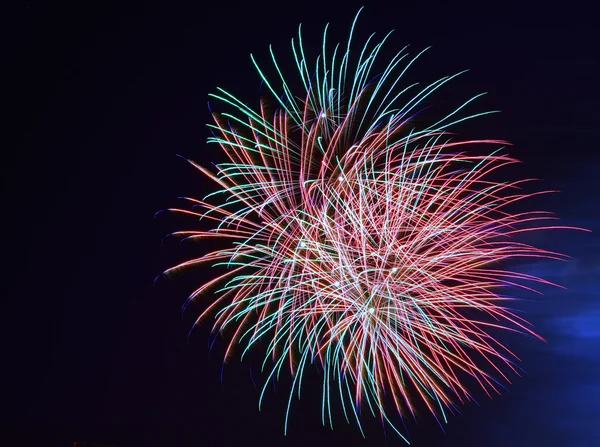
[(101, 98)]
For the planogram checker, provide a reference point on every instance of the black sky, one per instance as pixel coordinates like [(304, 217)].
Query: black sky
[(101, 98)]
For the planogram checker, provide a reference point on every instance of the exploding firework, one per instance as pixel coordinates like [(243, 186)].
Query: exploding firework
[(359, 242)]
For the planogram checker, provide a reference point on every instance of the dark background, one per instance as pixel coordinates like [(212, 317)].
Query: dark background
[(102, 95)]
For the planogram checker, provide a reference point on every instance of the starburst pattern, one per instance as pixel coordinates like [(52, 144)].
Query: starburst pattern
[(361, 242)]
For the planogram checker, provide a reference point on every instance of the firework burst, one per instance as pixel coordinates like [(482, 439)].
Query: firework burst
[(359, 242)]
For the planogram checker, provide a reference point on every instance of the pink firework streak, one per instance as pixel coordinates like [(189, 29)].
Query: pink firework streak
[(362, 243)]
